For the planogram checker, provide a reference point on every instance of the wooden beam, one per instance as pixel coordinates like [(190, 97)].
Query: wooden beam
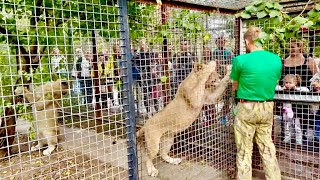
[(191, 6)]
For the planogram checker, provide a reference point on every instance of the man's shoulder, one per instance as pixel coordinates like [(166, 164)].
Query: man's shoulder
[(272, 54), (241, 57), (259, 53)]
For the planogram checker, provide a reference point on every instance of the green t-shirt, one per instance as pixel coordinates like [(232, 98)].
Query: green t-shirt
[(257, 74)]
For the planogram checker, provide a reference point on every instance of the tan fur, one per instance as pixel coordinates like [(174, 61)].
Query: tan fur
[(180, 113), (44, 106)]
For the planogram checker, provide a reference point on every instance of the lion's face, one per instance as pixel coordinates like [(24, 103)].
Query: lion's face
[(20, 90), (213, 80), (207, 70), (204, 69), (59, 87)]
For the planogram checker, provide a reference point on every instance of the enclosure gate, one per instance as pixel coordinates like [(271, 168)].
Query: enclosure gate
[(90, 74)]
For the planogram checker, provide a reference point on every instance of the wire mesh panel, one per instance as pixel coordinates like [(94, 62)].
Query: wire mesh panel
[(296, 129), (168, 45), (64, 91), (72, 92)]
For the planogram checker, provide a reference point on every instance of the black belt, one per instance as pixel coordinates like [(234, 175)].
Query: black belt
[(252, 101)]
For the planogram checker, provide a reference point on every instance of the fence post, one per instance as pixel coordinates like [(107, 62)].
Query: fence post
[(96, 82), (127, 85)]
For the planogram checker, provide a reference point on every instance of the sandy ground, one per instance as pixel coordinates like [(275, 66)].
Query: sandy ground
[(84, 154)]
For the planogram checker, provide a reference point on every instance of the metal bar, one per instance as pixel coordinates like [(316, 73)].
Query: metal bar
[(191, 6), (165, 56), (237, 30), (128, 88), (96, 82)]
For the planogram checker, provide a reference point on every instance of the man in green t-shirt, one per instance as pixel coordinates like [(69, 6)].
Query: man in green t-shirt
[(255, 76)]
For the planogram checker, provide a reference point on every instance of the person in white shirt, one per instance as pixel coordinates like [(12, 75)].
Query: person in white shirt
[(59, 64)]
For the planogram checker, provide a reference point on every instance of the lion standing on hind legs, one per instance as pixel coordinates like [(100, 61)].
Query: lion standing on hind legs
[(45, 110), (180, 113)]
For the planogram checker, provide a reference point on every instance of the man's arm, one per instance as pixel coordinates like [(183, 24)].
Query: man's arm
[(235, 86), (235, 74)]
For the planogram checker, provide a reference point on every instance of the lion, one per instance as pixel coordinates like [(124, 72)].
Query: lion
[(45, 110), (180, 113)]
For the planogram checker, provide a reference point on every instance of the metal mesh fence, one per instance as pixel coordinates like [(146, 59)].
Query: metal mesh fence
[(62, 91), (296, 123), (72, 90), (165, 51)]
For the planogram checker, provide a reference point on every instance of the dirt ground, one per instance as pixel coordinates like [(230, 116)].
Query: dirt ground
[(62, 164), (84, 154)]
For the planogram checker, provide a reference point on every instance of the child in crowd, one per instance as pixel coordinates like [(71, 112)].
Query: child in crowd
[(291, 82), (315, 83), (315, 87)]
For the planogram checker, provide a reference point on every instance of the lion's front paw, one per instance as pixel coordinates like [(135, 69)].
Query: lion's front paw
[(153, 172)]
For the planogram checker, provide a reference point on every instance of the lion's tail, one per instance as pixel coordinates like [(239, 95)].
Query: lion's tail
[(140, 137), (140, 132)]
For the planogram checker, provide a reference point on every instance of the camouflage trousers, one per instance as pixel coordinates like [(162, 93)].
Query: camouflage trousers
[(254, 123)]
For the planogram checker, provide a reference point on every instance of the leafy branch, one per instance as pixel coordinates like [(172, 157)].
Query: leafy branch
[(278, 25)]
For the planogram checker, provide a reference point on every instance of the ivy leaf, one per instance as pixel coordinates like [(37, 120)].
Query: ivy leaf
[(277, 6), (269, 5), (289, 34), (277, 20), (258, 2), (263, 36), (207, 37), (313, 13), (274, 13), (261, 7), (258, 43), (308, 24), (282, 36), (281, 30), (300, 20), (245, 15), (251, 8), (261, 14), (164, 33)]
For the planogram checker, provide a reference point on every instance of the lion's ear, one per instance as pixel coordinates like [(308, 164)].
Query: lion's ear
[(198, 67)]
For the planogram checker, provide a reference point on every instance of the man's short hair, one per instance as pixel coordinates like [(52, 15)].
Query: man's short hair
[(220, 38), (252, 34)]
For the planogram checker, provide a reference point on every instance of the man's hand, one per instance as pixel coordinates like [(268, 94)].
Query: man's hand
[(235, 86), (228, 68)]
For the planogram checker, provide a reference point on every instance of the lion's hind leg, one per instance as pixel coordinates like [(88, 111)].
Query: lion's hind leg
[(166, 143), (152, 146)]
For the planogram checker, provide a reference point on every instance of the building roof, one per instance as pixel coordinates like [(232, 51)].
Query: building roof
[(232, 6)]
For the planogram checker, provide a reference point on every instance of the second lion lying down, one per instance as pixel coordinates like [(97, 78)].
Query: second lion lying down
[(181, 112)]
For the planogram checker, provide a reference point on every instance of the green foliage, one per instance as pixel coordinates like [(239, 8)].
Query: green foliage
[(142, 17), (278, 26), (188, 21)]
